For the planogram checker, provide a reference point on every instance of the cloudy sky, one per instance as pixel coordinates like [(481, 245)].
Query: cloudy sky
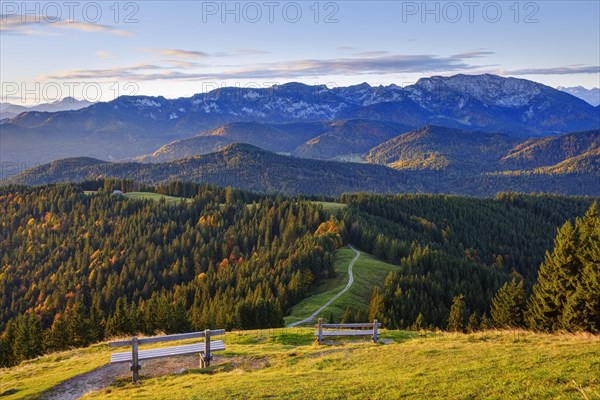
[(99, 50)]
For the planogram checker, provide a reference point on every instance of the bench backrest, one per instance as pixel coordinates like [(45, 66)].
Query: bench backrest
[(167, 338), (348, 329), (350, 326)]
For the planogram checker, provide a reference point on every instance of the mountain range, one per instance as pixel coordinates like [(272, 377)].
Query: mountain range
[(592, 96), (425, 148), (474, 135), (321, 140), (136, 126), (249, 167), (9, 110)]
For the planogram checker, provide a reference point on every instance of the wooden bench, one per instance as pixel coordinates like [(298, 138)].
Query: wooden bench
[(134, 356), (335, 330)]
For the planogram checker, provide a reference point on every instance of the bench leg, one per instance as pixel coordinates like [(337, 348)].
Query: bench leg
[(135, 372), (320, 331), (135, 365), (204, 360)]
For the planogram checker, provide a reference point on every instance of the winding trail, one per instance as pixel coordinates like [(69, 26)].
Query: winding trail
[(104, 376), (334, 298)]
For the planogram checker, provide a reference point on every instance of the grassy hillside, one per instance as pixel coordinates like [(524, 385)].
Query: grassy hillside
[(148, 195), (154, 196), (368, 273), (331, 206), (286, 364)]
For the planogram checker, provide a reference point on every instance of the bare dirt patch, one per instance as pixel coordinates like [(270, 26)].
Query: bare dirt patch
[(117, 374)]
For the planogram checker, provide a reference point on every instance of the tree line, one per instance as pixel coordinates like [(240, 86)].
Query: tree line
[(483, 272)]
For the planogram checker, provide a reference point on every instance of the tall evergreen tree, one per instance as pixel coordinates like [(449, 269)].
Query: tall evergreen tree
[(376, 305), (582, 309), (419, 323), (7, 355), (119, 323), (456, 319), (508, 305), (97, 324), (567, 294), (556, 278), (485, 323), (78, 326), (28, 337), (473, 324), (58, 337)]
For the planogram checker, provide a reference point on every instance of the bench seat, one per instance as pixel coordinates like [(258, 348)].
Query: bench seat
[(346, 332), (195, 348)]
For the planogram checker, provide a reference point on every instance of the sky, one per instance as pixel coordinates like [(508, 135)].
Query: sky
[(98, 50)]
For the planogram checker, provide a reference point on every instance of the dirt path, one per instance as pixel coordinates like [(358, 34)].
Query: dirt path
[(105, 376), (334, 298), (79, 385)]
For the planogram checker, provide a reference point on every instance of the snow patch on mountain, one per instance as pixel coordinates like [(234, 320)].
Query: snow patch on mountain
[(252, 95), (252, 112), (147, 103), (211, 107)]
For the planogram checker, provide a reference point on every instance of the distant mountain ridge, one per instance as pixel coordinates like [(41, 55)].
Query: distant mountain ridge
[(427, 148), (9, 110), (249, 167), (348, 138), (439, 148), (592, 96), (132, 126), (237, 165), (545, 152), (319, 140)]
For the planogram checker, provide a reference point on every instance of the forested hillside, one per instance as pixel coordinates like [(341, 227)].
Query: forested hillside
[(248, 167), (449, 246), (438, 148), (77, 267)]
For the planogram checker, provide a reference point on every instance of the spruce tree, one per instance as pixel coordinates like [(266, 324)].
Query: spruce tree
[(7, 355), (28, 337), (582, 309), (508, 305), (567, 294), (556, 278), (419, 323), (473, 324), (376, 306), (78, 326), (456, 319), (348, 316), (58, 338), (118, 323), (485, 323), (97, 324)]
